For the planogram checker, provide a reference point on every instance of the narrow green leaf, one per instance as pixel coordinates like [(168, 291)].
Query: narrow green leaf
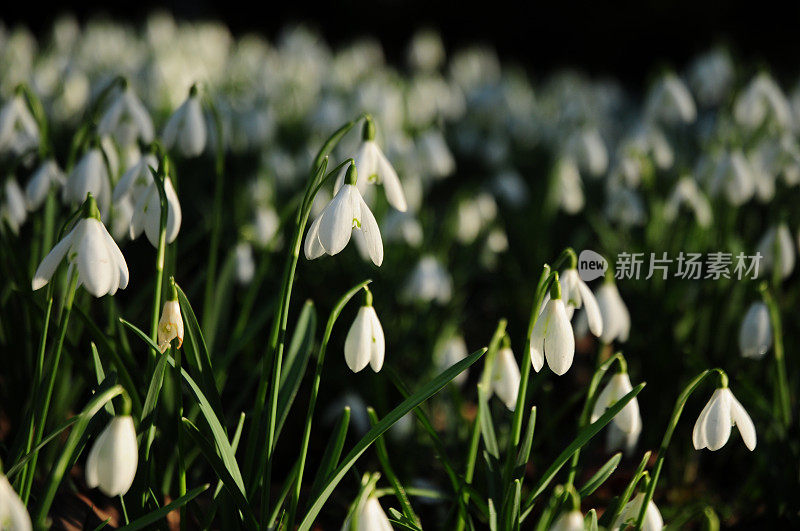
[(296, 361), (14, 470), (580, 441), (590, 521), (220, 468), (492, 516), (101, 375), (601, 475), (146, 425), (486, 422), (333, 451), (396, 414), (525, 449), (153, 517)]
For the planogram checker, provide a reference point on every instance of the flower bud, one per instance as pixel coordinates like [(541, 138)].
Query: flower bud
[(112, 462), (170, 326)]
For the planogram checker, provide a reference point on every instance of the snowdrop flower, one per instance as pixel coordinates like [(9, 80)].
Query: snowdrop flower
[(734, 177), (628, 420), (568, 186), (426, 51), (245, 265), (112, 461), (755, 334), (365, 344), (616, 439), (473, 215), (686, 192), (762, 99), (13, 207), (47, 176), (90, 250), (569, 521), (346, 212), (90, 176), (671, 101), (436, 158), (552, 336), (449, 353), (625, 206), (587, 149), (784, 247), (138, 184), (576, 295), (374, 167), (429, 281), (506, 377), (18, 129), (170, 326), (721, 413), (404, 227), (126, 119), (13, 514), (186, 128), (629, 514), (370, 517), (711, 77), (616, 319)]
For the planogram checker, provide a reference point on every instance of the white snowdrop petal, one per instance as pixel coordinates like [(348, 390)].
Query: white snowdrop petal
[(592, 309), (391, 183), (336, 225), (743, 421), (119, 260), (50, 263), (94, 260), (312, 246), (559, 342), (506, 378), (718, 421), (371, 232), (377, 343), (193, 140), (358, 341), (699, 439), (174, 214)]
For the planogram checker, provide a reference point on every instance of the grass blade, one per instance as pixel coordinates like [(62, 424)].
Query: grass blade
[(601, 475), (153, 517)]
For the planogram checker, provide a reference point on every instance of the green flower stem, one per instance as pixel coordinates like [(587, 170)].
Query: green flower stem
[(312, 401), (278, 333), (588, 405), (44, 405), (472, 454), (673, 422), (176, 354), (784, 400), (629, 490), (159, 178)]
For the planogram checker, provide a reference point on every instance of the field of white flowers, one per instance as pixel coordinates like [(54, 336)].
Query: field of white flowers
[(190, 339)]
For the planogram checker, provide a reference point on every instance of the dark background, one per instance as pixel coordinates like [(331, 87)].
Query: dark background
[(629, 40)]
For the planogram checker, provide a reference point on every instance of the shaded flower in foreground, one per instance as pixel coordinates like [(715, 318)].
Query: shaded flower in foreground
[(113, 459), (722, 412)]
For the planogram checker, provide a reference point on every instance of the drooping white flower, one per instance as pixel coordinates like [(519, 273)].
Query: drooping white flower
[(374, 168), (13, 209), (734, 178), (346, 212), (473, 215), (755, 334), (113, 459), (628, 420), (671, 101), (426, 51), (47, 176), (777, 241), (630, 513), (616, 439), (435, 156), (587, 149), (711, 76), (365, 343), (13, 514), (686, 192), (616, 319), (721, 413), (577, 294), (403, 227), (186, 128), (429, 281), (569, 521), (147, 213), (762, 100), (370, 517), (506, 377), (552, 337), (170, 326), (18, 129), (449, 353), (245, 265), (91, 251), (568, 186), (126, 119), (90, 176)]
